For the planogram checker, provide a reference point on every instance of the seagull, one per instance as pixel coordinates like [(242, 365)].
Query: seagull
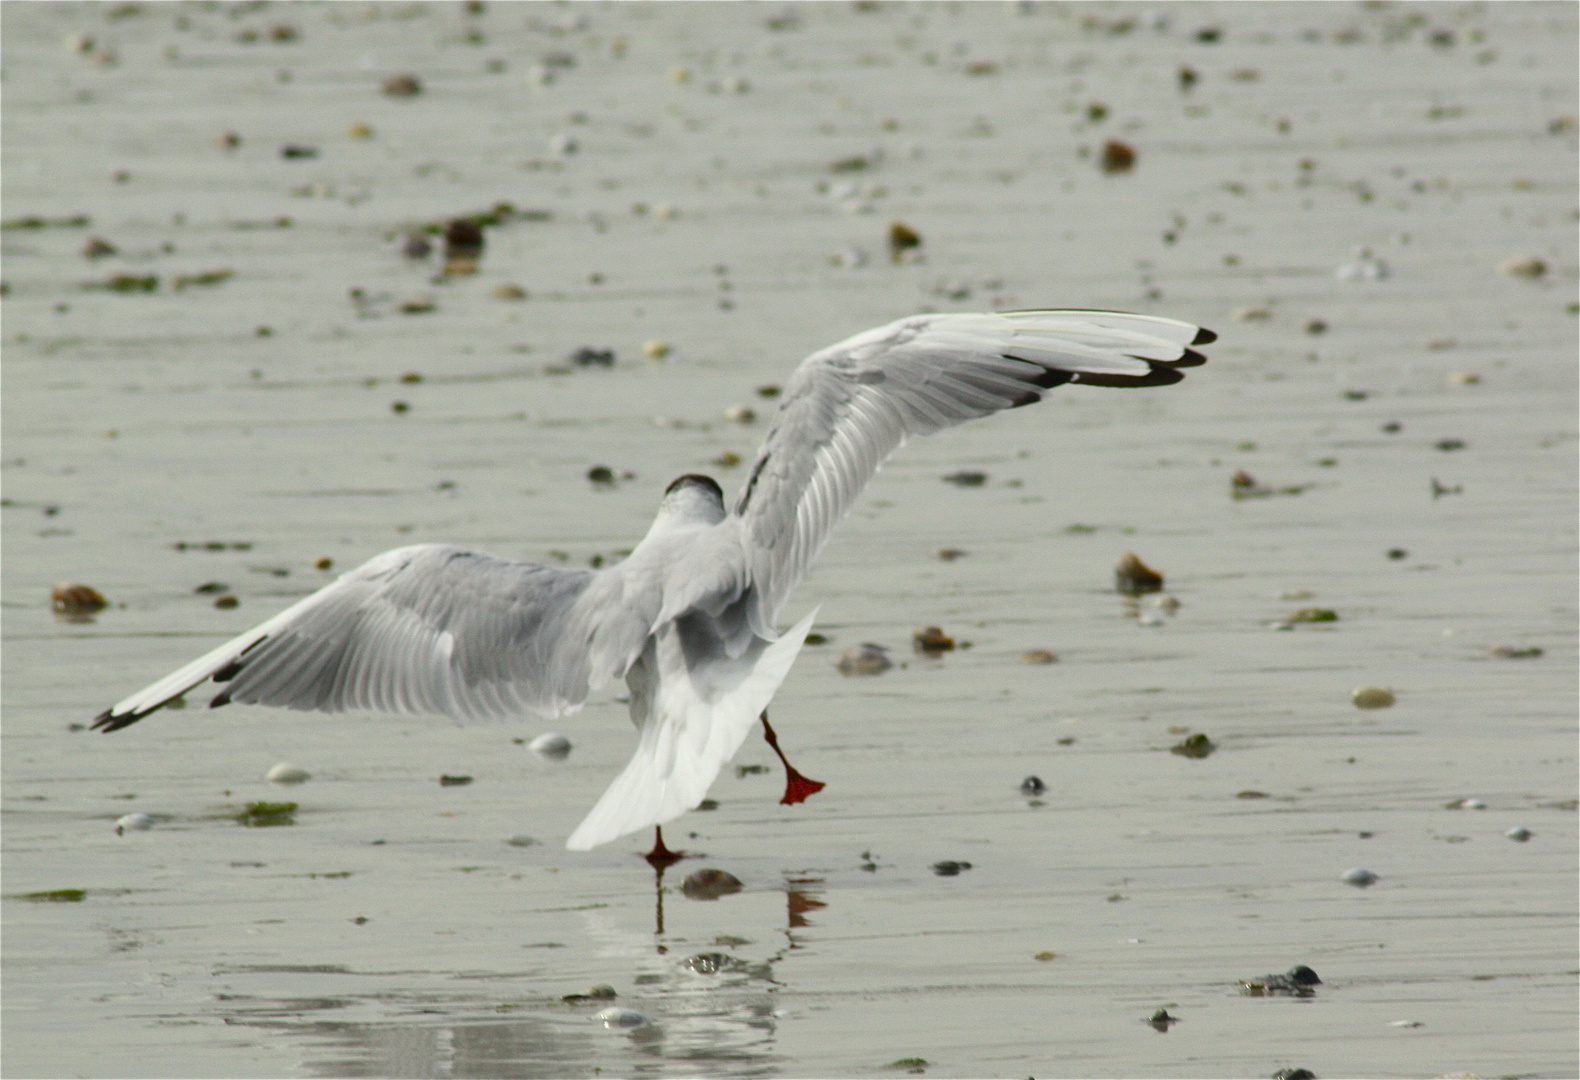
[(688, 619)]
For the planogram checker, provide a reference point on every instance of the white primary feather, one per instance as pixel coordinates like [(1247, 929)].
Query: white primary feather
[(688, 619)]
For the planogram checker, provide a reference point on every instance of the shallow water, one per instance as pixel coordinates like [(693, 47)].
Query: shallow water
[(1440, 137)]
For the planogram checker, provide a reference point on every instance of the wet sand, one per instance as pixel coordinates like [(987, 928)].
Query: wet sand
[(714, 201)]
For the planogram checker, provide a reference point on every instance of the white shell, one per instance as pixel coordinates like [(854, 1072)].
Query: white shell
[(1520, 833), (133, 823), (286, 773), (1371, 697), (620, 1018), (550, 745), (1359, 877)]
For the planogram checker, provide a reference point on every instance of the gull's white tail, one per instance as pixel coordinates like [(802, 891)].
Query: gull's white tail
[(692, 720)]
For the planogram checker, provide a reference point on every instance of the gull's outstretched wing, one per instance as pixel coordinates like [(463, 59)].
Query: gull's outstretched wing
[(425, 629), (848, 407)]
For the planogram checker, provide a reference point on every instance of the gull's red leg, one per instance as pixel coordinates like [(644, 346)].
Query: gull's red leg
[(797, 787), (661, 858)]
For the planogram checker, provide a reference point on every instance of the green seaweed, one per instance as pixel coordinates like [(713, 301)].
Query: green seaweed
[(57, 896)]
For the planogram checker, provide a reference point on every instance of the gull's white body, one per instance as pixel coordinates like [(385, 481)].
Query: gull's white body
[(688, 619)]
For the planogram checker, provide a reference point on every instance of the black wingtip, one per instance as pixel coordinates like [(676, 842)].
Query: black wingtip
[(1192, 358), (107, 721), (1204, 336), (220, 699), (1160, 375)]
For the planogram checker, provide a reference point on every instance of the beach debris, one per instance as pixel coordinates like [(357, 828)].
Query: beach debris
[(1032, 785), (127, 283), (1440, 489), (1149, 618), (298, 152), (227, 140), (207, 277), (416, 246), (563, 145), (1161, 1020), (551, 747), (1045, 955), (729, 459), (1038, 656), (1315, 327), (446, 780), (1448, 446), (931, 640), (601, 992), (909, 1064), (950, 867), (902, 238), (655, 349), (740, 414), (402, 86), (1194, 746), (1293, 1073), (522, 840), (76, 601), (1461, 378), (1465, 804), (967, 478), (1312, 615), (948, 554), (601, 474), (1519, 834), (1297, 982), (1371, 697), (1132, 577), (1527, 267), (1117, 157), (133, 823), (1509, 652), (1365, 268), (96, 248), (1398, 553), (710, 884), (57, 896), (1406, 1024), (620, 1018), (1250, 793), (769, 391), (865, 659), (463, 246), (267, 814), (1359, 877), (587, 356), (359, 131), (508, 291), (286, 773)]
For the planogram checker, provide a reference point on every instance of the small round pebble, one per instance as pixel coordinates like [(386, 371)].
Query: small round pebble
[(521, 840), (1032, 785), (1371, 697), (864, 659), (286, 773), (133, 823), (551, 747), (620, 1018), (1519, 833), (1359, 877), (710, 884), (655, 350), (1038, 656)]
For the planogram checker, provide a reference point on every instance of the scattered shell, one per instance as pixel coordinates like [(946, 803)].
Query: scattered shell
[(1359, 877), (1509, 652), (620, 1018), (551, 747), (1194, 746), (1132, 577), (521, 840), (1519, 833), (286, 773), (655, 350), (1371, 697), (402, 86), (931, 640), (950, 867), (1529, 267), (509, 292), (864, 659), (1150, 618), (1117, 157), (1367, 269), (948, 554), (1032, 785), (967, 478), (739, 414), (76, 600), (1038, 656), (601, 992), (710, 884), (133, 823), (1406, 1024), (1465, 804)]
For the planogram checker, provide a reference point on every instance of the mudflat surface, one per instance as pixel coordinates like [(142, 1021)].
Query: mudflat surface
[(1334, 191)]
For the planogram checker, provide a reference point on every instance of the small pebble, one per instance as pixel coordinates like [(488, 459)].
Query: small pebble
[(521, 840), (1032, 785), (1162, 1020), (1461, 378), (226, 603), (1371, 697), (416, 247), (359, 131), (655, 350), (1312, 615), (1117, 157), (1132, 577), (133, 823), (463, 240), (1038, 656), (1045, 955), (601, 474), (286, 773), (1194, 746), (948, 554), (739, 414), (931, 640), (864, 659), (551, 747), (68, 599), (950, 867), (1519, 833), (1509, 652), (1465, 804), (967, 478), (710, 884), (1529, 267), (1406, 1024), (402, 86), (454, 781), (1359, 877), (586, 356), (901, 239), (325, 563), (1167, 604), (96, 248), (1294, 1074), (601, 992), (1150, 618), (620, 1018), (509, 292)]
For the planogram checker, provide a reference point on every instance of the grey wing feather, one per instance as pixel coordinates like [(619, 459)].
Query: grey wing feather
[(850, 406), (424, 629)]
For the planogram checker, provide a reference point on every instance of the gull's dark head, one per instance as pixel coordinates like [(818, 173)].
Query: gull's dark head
[(694, 496)]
